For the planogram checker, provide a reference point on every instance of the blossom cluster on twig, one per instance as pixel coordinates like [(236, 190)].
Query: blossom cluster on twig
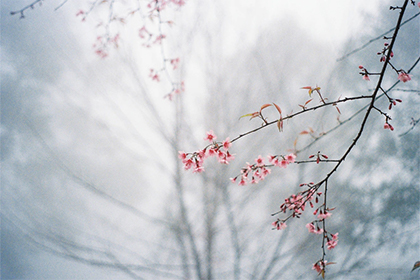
[(150, 34), (295, 204)]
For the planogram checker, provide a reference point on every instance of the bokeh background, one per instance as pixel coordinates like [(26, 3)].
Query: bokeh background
[(91, 186)]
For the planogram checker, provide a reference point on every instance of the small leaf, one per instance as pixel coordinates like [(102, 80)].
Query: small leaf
[(308, 101), (416, 265), (278, 108), (310, 90), (280, 125), (265, 106), (304, 132), (338, 110), (295, 143), (252, 115)]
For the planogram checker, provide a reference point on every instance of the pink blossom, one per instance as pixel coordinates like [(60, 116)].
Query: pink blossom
[(156, 78), (291, 158), (143, 31), (404, 77), (388, 126), (188, 164), (279, 225), (175, 63), (242, 182), (312, 229), (179, 3), (275, 162), (229, 156), (210, 136), (265, 171), (271, 159), (324, 215), (211, 152), (222, 157), (317, 267), (227, 144), (101, 53), (154, 75), (366, 77), (80, 12), (333, 242), (259, 161), (182, 155), (198, 169), (284, 163), (159, 39)]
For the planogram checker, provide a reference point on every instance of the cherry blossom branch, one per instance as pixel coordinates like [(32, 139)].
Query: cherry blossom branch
[(356, 113), (304, 110), (295, 204), (150, 38), (378, 86)]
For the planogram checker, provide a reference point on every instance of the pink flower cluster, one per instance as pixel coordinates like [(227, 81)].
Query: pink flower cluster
[(102, 44), (384, 52), (279, 225), (388, 126), (178, 88), (331, 243), (253, 173), (296, 203), (195, 160), (154, 74), (404, 77), (174, 62), (365, 73)]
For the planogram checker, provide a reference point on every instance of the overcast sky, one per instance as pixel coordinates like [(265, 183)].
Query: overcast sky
[(70, 118)]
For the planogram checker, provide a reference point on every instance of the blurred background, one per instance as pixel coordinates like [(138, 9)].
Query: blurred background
[(91, 183)]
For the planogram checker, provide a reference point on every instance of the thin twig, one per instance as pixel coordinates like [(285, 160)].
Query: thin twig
[(375, 39)]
